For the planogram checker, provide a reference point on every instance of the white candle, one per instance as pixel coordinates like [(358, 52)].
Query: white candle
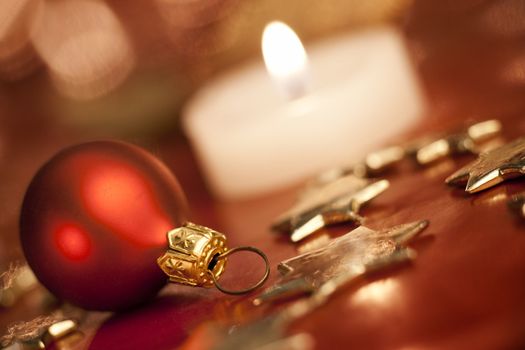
[(250, 140)]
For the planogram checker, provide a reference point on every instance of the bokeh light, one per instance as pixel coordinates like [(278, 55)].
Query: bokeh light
[(197, 27), (17, 22), (85, 47)]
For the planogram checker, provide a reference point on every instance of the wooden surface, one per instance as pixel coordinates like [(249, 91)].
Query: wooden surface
[(465, 289)]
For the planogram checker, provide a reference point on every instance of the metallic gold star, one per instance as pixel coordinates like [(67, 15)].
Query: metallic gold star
[(375, 163), (17, 281), (376, 250), (343, 259), (430, 149), (491, 168), (335, 202), (474, 139)]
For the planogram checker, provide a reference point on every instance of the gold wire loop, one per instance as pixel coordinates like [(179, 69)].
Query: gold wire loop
[(249, 289)]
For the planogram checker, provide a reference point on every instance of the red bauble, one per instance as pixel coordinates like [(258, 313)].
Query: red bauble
[(94, 221)]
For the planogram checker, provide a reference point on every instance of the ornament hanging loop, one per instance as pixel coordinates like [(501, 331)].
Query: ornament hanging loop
[(224, 255)]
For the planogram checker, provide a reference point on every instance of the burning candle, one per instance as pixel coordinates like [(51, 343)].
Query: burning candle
[(329, 108), (285, 60)]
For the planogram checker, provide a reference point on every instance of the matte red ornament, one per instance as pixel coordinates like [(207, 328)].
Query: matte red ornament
[(94, 221)]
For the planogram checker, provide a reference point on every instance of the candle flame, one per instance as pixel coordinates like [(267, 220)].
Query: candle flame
[(285, 58)]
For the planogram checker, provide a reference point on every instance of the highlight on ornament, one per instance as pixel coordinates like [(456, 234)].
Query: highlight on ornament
[(98, 217)]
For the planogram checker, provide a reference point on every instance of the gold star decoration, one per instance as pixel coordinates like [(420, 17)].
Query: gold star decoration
[(42, 332), (474, 139), (335, 202), (491, 168), (16, 282), (471, 140), (333, 268), (375, 163), (343, 259)]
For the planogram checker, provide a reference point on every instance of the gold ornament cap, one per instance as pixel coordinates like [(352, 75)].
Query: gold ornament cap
[(197, 256), (192, 255)]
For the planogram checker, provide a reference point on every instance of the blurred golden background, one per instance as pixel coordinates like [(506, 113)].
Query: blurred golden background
[(114, 68), (83, 69)]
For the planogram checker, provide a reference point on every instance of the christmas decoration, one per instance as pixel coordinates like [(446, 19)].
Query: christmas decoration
[(94, 221)]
